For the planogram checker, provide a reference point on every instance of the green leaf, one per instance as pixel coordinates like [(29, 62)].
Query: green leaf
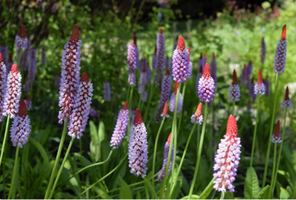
[(125, 192), (251, 184), (207, 190), (192, 197), (101, 192), (94, 143), (147, 183), (263, 194), (284, 194), (101, 131), (40, 149)]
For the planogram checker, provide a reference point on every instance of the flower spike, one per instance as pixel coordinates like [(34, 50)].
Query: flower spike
[(287, 101), (276, 138), (234, 90), (197, 117), (2, 85), (259, 87), (206, 86), (180, 62), (280, 53)]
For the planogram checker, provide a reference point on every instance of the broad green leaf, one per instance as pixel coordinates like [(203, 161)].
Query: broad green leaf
[(251, 184), (94, 143), (284, 194), (40, 149), (101, 192), (125, 192), (62, 195), (263, 194), (194, 196), (138, 195), (101, 131), (147, 183)]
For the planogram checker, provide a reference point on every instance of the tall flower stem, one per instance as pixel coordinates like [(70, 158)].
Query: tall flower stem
[(56, 162), (271, 129), (155, 149), (182, 159), (5, 139), (130, 106), (128, 91), (273, 170), (199, 150), (173, 138), (198, 138), (61, 168), (255, 131), (180, 117), (280, 151), (11, 194)]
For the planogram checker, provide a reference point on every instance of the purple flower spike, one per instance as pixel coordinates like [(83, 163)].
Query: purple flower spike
[(165, 95), (165, 160), (180, 62), (227, 158), (28, 102), (69, 75), (197, 116), (138, 147), (280, 53), (4, 52), (276, 138), (234, 91), (43, 56), (93, 112), (24, 65), (143, 81), (168, 64), (154, 59), (21, 128), (245, 76), (160, 57), (79, 116), (145, 66), (21, 41), (132, 79), (206, 86), (131, 57), (32, 67), (120, 128), (13, 92), (173, 100), (137, 51), (107, 91), (287, 101), (199, 75), (2, 85), (259, 87), (214, 67)]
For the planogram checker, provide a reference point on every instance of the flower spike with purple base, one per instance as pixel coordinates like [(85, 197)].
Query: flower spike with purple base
[(120, 128), (21, 41), (165, 160), (280, 53), (287, 101), (234, 91), (138, 147), (206, 86), (259, 87), (197, 116), (160, 57), (173, 100), (276, 138), (107, 91), (2, 85), (180, 62), (227, 158)]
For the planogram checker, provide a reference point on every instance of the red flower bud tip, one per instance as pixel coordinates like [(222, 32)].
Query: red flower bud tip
[(213, 55), (22, 109), (21, 32), (200, 69), (125, 106), (14, 68), (75, 33), (1, 59), (138, 117), (155, 50), (205, 55), (284, 33), (199, 109), (259, 76), (167, 72), (10, 58), (181, 43), (160, 31), (28, 97), (245, 65), (189, 51), (169, 138), (206, 71), (177, 37), (135, 39), (277, 129), (287, 93), (84, 77), (231, 126), (165, 109), (176, 87), (234, 77)]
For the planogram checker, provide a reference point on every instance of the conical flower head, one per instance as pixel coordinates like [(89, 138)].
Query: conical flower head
[(165, 110), (21, 128), (180, 62), (154, 59), (131, 57), (32, 66), (259, 87), (2, 85), (13, 92), (165, 160), (21, 41), (227, 158), (138, 147), (234, 90), (206, 86), (160, 53), (137, 51), (276, 138), (79, 116), (132, 81), (107, 91), (263, 51), (197, 116), (165, 95), (69, 75), (174, 98), (245, 77), (287, 101), (120, 127), (280, 53)]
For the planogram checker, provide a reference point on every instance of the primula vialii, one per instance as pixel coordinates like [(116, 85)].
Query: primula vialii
[(206, 86), (276, 138), (280, 53), (173, 100), (234, 91), (180, 62), (2, 85), (259, 87), (165, 160), (197, 116), (287, 101)]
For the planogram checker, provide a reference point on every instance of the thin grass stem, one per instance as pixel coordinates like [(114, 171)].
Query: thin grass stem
[(255, 131)]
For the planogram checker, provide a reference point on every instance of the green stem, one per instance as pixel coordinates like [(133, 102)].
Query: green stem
[(128, 92), (198, 138), (56, 162), (280, 152), (13, 179), (180, 117), (233, 105), (130, 106), (222, 195), (61, 168), (155, 149), (140, 100), (199, 150), (273, 171), (182, 159), (104, 176), (271, 130), (255, 132), (5, 139), (294, 192)]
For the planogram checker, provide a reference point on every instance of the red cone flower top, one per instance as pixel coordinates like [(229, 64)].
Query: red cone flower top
[(125, 106), (181, 43), (231, 126), (23, 109), (138, 117), (165, 109), (199, 109), (277, 129), (287, 94), (135, 39), (160, 31), (22, 32), (84, 77), (1, 59), (234, 78), (14, 68), (176, 87), (206, 71), (259, 77), (283, 37), (167, 72), (75, 33), (169, 138)]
